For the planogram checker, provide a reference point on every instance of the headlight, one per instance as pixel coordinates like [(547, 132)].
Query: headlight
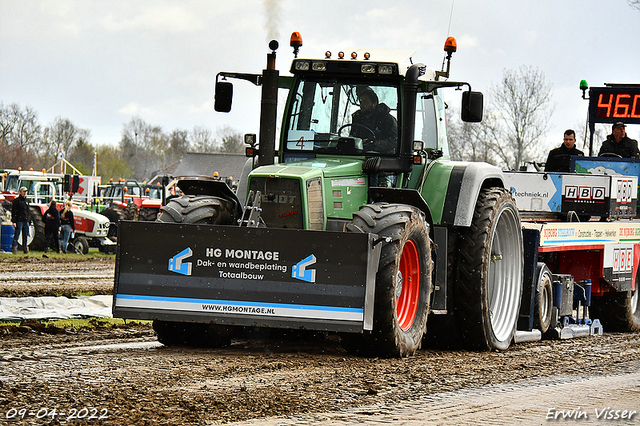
[(319, 66), (385, 69), (368, 68), (302, 66)]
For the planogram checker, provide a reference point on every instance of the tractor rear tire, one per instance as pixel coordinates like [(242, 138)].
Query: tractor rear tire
[(198, 209), (490, 269), (544, 299), (191, 334), (131, 211), (114, 215), (618, 311), (403, 281), (37, 239), (148, 214)]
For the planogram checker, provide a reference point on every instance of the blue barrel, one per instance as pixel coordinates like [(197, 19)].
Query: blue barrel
[(6, 237)]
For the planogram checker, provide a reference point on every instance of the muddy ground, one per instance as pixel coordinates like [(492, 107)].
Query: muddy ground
[(124, 374)]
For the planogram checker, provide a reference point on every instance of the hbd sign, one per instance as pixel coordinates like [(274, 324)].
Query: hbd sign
[(584, 193)]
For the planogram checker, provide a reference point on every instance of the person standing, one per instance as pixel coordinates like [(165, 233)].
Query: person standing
[(559, 159), (20, 216), (619, 143), (68, 226), (52, 227)]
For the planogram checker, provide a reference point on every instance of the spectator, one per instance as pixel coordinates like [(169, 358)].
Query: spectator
[(68, 226), (52, 227)]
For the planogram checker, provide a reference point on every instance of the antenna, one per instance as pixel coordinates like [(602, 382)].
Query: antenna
[(450, 18)]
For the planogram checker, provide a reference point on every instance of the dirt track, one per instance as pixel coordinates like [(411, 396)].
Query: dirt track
[(124, 373)]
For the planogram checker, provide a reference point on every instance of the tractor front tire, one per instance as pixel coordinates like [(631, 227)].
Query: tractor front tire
[(195, 209), (191, 334), (198, 209), (490, 269), (403, 281), (80, 245), (37, 239), (544, 299)]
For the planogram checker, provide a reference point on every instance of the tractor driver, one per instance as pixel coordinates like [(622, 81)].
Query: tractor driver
[(378, 130), (619, 143), (373, 123)]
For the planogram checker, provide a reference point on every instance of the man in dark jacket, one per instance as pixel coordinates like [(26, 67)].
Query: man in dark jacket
[(374, 125), (618, 143), (559, 159), (20, 216), (52, 227)]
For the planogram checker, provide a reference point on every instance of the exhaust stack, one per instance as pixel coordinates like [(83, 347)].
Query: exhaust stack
[(269, 108)]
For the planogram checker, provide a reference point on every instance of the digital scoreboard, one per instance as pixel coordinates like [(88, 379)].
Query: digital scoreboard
[(614, 103)]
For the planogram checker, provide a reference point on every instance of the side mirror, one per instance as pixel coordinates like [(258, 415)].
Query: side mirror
[(472, 106), (223, 96)]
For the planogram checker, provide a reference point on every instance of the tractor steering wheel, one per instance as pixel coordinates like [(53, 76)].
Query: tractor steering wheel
[(373, 135)]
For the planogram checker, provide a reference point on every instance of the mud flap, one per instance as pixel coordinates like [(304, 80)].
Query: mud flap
[(282, 278)]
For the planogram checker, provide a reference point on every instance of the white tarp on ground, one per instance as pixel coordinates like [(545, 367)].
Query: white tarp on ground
[(50, 307)]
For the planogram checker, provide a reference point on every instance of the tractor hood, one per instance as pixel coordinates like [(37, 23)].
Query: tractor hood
[(327, 167)]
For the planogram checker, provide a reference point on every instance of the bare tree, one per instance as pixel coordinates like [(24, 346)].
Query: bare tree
[(232, 140), (61, 136), (519, 113), (201, 140), (20, 133), (469, 141), (142, 147), (178, 145)]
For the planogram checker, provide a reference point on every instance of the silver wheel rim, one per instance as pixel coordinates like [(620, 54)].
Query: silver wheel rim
[(504, 275), (634, 301), (545, 299)]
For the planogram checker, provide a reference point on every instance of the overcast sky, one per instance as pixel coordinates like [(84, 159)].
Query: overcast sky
[(100, 63)]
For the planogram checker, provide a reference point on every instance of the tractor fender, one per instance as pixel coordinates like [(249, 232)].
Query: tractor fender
[(216, 188), (402, 196), (241, 191), (465, 182)]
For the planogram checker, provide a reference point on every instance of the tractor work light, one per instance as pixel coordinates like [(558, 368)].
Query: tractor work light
[(385, 69), (306, 66), (368, 68), (319, 66), (302, 66)]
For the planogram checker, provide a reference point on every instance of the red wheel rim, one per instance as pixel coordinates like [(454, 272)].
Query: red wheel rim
[(409, 276)]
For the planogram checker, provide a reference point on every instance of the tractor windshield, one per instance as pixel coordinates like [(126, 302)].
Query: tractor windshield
[(334, 117)]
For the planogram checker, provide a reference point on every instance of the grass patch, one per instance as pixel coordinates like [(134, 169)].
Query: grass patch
[(94, 253)]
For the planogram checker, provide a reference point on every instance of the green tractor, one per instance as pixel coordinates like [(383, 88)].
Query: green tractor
[(397, 235)]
